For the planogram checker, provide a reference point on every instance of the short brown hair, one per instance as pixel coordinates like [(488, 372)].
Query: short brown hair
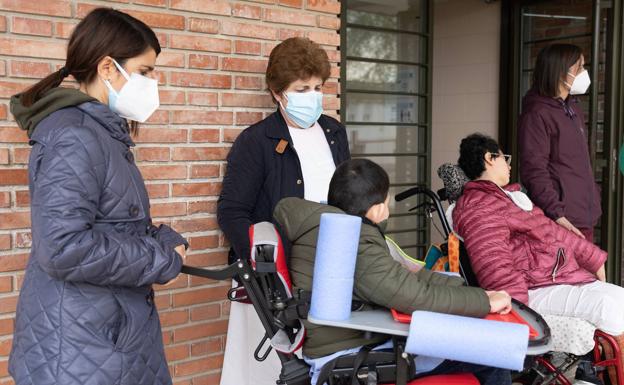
[(293, 59), (552, 65)]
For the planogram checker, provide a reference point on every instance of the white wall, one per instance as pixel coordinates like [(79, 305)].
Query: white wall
[(466, 50)]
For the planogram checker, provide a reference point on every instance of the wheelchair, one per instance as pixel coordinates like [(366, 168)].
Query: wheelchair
[(265, 283)]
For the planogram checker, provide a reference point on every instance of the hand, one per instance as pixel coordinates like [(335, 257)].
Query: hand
[(181, 250), (500, 302), (565, 223), (601, 274)]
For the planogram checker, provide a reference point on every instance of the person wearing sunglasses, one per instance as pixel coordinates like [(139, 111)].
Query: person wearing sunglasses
[(513, 246), (555, 164)]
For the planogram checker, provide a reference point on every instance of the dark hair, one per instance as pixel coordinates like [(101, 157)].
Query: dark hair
[(293, 59), (357, 185), (103, 32), (472, 152), (552, 65)]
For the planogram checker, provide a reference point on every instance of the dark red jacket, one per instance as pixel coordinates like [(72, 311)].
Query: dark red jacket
[(515, 250), (554, 159)]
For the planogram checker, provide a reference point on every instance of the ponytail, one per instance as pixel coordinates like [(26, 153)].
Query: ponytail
[(34, 93)]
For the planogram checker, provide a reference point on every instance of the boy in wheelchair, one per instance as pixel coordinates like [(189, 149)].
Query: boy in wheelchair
[(360, 187)]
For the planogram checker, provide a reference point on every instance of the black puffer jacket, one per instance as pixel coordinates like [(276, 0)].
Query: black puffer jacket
[(86, 313)]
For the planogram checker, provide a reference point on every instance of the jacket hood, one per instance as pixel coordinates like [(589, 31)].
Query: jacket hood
[(55, 99), (532, 99)]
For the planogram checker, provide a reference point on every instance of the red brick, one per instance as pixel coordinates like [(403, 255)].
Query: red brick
[(5, 199), (208, 329), (28, 26), (5, 347), (4, 156), (159, 20), (246, 100), (244, 47), (23, 240), (6, 284), (205, 135), (63, 29), (248, 30), (8, 89), (203, 61), (268, 47), (203, 348), (28, 69), (201, 117), (328, 6), (170, 209), (204, 242), (8, 304), (13, 262), (157, 190), (163, 172), (230, 134), (203, 25), (285, 33), (10, 134), (291, 3), (202, 313), (167, 337), (200, 43), (154, 154), (248, 83), (243, 65), (204, 207), (176, 317), (324, 38), (159, 117), (210, 379), (329, 22), (5, 241), (22, 198), (154, 3), (6, 326), (195, 224), (10, 177), (47, 8), (32, 48), (14, 220), (289, 17), (246, 11), (3, 112), (170, 59), (248, 118), (168, 97), (205, 171), (203, 98), (161, 135), (3, 24), (196, 189), (186, 79), (21, 155), (214, 258), (163, 301), (202, 365), (200, 153), (177, 353), (215, 7)]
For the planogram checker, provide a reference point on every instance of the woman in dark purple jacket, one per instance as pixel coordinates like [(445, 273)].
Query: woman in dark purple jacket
[(552, 139)]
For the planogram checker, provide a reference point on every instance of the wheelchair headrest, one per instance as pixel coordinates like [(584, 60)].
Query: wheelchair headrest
[(454, 180), (267, 253)]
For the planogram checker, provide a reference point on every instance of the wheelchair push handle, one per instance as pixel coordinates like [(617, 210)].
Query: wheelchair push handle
[(416, 190)]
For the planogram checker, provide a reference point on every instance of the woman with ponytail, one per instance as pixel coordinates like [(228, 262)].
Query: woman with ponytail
[(86, 312)]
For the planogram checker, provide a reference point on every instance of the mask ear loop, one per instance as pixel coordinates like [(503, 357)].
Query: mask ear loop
[(120, 68)]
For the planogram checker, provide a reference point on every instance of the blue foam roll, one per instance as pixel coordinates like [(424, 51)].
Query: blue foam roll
[(478, 341), (334, 266)]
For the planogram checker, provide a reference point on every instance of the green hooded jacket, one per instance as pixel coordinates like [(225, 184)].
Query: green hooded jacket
[(55, 99), (379, 279)]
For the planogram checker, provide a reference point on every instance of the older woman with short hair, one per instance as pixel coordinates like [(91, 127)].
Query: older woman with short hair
[(291, 153)]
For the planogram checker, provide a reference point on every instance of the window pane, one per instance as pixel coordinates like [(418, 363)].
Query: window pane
[(386, 139), (386, 108), (368, 44), (403, 169), (556, 18), (385, 77), (406, 222), (401, 15)]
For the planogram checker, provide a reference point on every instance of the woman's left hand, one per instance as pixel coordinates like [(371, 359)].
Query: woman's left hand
[(601, 274)]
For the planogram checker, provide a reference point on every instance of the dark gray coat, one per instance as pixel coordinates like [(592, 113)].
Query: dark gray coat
[(86, 313)]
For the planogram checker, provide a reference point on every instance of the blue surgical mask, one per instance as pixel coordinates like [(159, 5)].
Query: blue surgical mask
[(304, 108)]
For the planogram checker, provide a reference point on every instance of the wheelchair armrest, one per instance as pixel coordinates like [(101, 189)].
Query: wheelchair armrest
[(217, 274)]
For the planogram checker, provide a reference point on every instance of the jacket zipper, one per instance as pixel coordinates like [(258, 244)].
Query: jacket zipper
[(558, 263)]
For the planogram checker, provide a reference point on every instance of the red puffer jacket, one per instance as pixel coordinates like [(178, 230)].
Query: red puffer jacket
[(515, 250)]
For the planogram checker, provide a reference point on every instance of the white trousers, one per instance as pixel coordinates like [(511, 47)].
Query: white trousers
[(245, 331), (599, 303)]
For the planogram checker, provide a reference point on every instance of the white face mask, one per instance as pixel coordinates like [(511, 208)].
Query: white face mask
[(580, 84), (138, 98)]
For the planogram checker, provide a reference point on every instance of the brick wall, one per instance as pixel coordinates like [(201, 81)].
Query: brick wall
[(211, 87)]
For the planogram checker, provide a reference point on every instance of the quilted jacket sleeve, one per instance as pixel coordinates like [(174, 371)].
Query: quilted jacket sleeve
[(380, 279), (241, 186), (589, 256), (66, 191), (534, 147), (487, 240)]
